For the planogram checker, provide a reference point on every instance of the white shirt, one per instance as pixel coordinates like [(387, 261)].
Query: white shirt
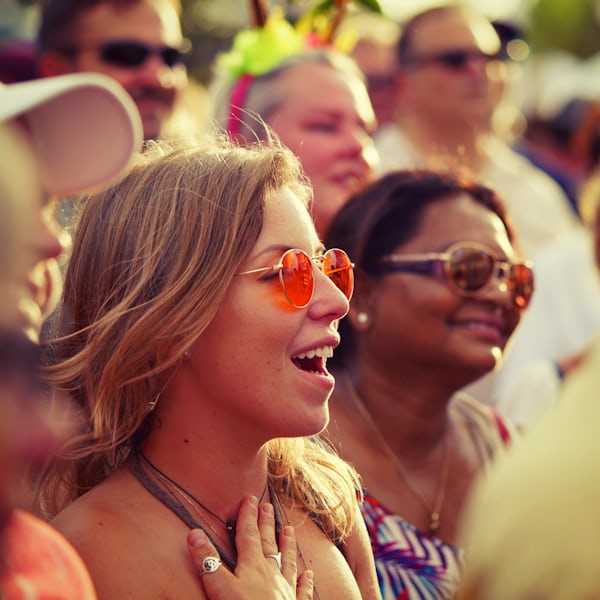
[(562, 320), (536, 204)]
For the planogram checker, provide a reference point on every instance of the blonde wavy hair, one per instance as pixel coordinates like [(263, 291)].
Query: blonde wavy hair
[(153, 257)]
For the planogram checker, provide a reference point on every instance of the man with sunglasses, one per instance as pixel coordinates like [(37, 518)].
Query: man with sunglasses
[(450, 85), (138, 43)]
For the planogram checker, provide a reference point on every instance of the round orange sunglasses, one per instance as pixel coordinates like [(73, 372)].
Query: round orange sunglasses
[(297, 278)]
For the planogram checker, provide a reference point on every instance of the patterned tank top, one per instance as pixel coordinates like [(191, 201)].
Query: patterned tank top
[(411, 564)]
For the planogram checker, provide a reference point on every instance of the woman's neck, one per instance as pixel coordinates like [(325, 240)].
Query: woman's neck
[(214, 475), (218, 519), (197, 442), (421, 410)]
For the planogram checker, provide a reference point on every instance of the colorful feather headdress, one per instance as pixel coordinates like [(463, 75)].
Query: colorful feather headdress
[(272, 39)]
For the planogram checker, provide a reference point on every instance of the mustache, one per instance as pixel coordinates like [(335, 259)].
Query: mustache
[(167, 97)]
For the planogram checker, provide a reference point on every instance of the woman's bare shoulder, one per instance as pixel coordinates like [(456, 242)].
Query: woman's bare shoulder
[(131, 546), (103, 511)]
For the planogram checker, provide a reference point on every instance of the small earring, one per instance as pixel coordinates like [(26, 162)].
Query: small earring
[(186, 355), (362, 318), (152, 403)]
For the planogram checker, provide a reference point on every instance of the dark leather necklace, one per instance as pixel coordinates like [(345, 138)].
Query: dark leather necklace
[(141, 468)]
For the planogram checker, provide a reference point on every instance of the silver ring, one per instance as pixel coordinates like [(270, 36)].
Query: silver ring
[(210, 564), (276, 558)]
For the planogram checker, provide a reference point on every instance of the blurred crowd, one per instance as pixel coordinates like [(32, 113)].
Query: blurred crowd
[(380, 188)]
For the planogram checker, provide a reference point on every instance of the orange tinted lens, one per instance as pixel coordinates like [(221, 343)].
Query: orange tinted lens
[(470, 268), (338, 267), (520, 280), (297, 277)]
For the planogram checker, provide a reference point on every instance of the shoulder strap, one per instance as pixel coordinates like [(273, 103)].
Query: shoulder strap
[(140, 474)]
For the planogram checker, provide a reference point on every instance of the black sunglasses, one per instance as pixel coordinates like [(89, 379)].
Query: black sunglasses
[(131, 54), (455, 60)]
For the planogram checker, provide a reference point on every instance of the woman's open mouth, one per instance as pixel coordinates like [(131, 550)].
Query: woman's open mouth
[(314, 361)]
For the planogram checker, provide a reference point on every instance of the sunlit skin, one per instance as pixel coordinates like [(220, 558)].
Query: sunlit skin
[(421, 319), (34, 279), (326, 120), (154, 86), (469, 95), (237, 389), (29, 240), (247, 371)]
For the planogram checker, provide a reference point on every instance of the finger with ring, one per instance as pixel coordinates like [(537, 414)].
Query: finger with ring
[(276, 558), (210, 564)]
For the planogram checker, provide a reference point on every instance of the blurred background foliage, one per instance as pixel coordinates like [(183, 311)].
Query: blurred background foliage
[(570, 25)]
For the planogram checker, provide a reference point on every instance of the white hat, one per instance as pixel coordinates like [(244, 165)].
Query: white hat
[(85, 128)]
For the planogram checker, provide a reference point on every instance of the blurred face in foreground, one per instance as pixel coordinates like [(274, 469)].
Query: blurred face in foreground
[(28, 239), (33, 239)]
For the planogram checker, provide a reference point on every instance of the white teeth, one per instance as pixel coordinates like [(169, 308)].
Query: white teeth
[(323, 352)]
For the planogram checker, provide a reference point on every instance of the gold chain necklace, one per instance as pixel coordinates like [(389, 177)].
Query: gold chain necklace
[(433, 511)]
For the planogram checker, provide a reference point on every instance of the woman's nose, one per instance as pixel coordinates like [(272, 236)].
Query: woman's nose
[(328, 299), (499, 285)]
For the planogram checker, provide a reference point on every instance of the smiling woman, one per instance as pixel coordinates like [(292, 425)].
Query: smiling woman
[(439, 289), (317, 103), (197, 379)]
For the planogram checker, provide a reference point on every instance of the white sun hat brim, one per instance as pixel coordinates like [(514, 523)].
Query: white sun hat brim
[(85, 128)]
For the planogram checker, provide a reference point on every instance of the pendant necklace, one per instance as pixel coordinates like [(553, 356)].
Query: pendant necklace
[(141, 468), (229, 524), (433, 510), (178, 491)]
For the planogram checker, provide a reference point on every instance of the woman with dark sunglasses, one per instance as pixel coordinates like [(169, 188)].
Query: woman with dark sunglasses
[(199, 311), (439, 290)]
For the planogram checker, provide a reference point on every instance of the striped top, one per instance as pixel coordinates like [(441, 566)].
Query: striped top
[(414, 565), (410, 564)]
